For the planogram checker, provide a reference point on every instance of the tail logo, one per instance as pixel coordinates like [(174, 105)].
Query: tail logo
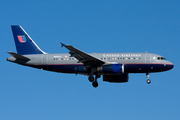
[(22, 39)]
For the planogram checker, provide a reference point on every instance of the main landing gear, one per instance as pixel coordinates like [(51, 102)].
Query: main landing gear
[(148, 80), (94, 82), (91, 77)]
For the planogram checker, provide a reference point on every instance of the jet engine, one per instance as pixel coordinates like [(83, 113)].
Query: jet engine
[(111, 68), (116, 78)]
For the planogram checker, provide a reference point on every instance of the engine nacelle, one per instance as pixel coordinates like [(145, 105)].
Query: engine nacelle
[(111, 68), (116, 78)]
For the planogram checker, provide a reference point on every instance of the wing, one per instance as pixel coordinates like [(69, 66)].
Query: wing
[(83, 57)]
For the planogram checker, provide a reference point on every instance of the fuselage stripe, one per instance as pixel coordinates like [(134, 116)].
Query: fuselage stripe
[(122, 63)]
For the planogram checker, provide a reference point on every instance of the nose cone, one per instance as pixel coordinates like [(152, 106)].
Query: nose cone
[(170, 65)]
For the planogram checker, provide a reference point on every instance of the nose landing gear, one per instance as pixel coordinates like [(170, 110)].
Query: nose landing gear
[(148, 80)]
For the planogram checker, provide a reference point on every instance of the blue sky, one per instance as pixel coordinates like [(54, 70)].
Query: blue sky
[(92, 26)]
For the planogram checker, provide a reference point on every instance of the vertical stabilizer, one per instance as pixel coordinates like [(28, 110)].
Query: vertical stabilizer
[(24, 44)]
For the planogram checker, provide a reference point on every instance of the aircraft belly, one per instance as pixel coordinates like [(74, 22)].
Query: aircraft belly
[(65, 68), (145, 68), (138, 68), (57, 68)]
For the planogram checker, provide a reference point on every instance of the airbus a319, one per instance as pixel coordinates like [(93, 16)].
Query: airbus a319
[(114, 67)]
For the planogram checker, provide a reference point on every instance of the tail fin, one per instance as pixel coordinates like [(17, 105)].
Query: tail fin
[(24, 44)]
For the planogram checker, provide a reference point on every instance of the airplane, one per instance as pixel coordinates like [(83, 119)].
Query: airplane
[(114, 67)]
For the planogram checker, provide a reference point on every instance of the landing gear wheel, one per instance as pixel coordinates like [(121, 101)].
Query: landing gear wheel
[(148, 81), (91, 78), (95, 84)]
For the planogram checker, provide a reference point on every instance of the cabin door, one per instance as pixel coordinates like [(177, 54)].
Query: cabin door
[(148, 58), (44, 59)]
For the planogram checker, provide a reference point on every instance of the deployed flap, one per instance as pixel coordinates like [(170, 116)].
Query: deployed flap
[(19, 57), (82, 56)]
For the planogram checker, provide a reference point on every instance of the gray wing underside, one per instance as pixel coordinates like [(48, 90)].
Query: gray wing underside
[(83, 57)]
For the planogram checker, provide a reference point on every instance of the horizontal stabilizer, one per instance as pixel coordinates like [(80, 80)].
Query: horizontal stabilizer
[(19, 57)]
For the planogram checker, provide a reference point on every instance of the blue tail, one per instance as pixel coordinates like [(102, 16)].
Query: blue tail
[(24, 44)]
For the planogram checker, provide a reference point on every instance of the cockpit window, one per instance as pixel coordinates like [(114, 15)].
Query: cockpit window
[(161, 58)]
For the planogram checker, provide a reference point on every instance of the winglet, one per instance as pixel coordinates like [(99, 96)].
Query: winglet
[(62, 44)]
